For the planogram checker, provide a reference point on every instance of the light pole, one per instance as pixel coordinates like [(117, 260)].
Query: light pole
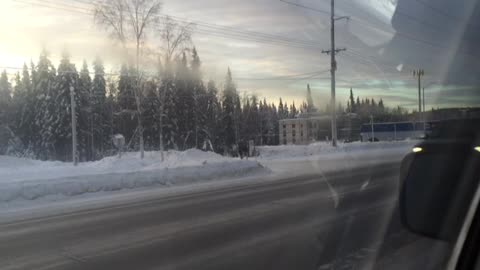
[(74, 126), (373, 133), (419, 74), (424, 116)]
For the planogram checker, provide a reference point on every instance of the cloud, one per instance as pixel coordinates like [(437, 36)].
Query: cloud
[(374, 47)]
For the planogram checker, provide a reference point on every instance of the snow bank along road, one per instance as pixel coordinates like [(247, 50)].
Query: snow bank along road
[(303, 222), (32, 181)]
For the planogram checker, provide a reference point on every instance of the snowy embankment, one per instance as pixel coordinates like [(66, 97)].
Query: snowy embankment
[(322, 157), (325, 149), (31, 179), (25, 179)]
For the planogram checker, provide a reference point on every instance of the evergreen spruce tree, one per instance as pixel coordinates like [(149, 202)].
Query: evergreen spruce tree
[(238, 120), (18, 111), (168, 104), (44, 109), (381, 106), (213, 115), (293, 111), (127, 108), (86, 120), (151, 116), (353, 107), (100, 114), (5, 99), (185, 106), (309, 106), (200, 101), (254, 120), (61, 120), (274, 139), (24, 101), (281, 111), (228, 117), (112, 108)]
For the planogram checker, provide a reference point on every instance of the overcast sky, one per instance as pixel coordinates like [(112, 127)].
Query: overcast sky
[(378, 61)]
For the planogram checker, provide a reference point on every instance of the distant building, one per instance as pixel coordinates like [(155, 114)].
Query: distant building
[(303, 130), (311, 127), (393, 131)]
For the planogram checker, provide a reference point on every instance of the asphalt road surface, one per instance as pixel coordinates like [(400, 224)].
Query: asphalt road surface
[(341, 220)]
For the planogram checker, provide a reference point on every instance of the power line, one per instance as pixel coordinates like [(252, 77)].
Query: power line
[(229, 32), (53, 7), (299, 76), (242, 35), (231, 29), (266, 38), (444, 13), (401, 34), (208, 29), (306, 7), (287, 77)]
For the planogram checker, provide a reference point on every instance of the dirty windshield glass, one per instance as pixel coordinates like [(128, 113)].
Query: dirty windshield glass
[(215, 134)]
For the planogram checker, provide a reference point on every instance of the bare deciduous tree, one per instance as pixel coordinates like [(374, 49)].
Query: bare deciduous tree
[(175, 38), (128, 21)]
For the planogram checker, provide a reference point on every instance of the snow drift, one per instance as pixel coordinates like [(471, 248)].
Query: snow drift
[(32, 179), (325, 150)]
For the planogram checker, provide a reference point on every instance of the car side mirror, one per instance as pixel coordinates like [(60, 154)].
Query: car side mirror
[(436, 190)]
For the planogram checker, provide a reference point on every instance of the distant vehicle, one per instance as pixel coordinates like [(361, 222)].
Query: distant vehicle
[(393, 131)]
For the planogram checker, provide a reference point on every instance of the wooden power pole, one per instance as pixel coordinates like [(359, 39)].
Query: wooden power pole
[(333, 67)]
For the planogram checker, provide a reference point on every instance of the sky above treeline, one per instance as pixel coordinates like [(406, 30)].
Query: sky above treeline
[(274, 48)]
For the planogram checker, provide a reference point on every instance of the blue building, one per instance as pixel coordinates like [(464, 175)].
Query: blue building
[(393, 131)]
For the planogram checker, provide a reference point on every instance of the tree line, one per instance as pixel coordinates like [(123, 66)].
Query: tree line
[(366, 107), (179, 110), (171, 109)]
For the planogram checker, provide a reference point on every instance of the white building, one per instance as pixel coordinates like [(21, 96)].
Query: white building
[(303, 130)]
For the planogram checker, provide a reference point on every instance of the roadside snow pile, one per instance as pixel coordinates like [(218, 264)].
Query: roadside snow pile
[(322, 157), (32, 179), (325, 149)]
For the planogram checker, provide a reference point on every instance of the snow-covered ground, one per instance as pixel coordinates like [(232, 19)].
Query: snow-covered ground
[(325, 150), (28, 180), (31, 179), (321, 157)]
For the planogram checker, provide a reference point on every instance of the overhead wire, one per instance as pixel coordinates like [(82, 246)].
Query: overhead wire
[(223, 31), (237, 31), (263, 37), (444, 13), (206, 29), (292, 77), (398, 33)]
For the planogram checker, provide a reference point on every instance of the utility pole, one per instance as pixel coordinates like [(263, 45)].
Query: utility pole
[(419, 74), (373, 132), (161, 98), (195, 117), (92, 147), (74, 126), (424, 113), (333, 67)]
